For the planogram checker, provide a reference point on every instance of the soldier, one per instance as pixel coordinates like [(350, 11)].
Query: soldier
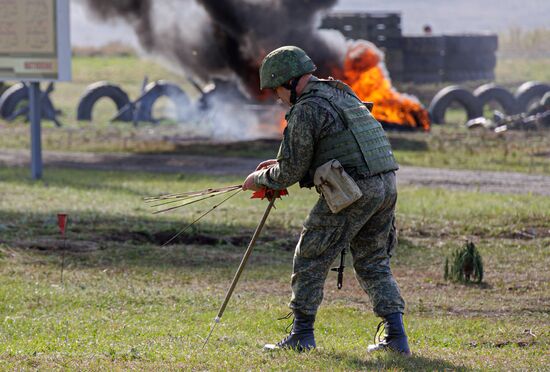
[(327, 121)]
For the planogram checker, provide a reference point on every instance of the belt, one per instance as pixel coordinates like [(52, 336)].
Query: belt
[(361, 173)]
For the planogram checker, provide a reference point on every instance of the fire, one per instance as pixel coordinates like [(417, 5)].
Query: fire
[(364, 72), (282, 122)]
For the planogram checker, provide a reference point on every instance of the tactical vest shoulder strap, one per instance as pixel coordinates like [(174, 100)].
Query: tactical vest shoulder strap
[(320, 93), (346, 88), (363, 144), (338, 84), (327, 97)]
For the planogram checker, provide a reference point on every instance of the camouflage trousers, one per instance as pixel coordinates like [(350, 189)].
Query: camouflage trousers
[(367, 227)]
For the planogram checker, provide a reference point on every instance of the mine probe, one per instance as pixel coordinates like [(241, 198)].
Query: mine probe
[(271, 195), (187, 198)]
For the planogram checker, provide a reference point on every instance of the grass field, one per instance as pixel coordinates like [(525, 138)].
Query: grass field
[(126, 302)]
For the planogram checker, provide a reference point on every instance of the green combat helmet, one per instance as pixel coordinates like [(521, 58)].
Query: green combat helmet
[(284, 64)]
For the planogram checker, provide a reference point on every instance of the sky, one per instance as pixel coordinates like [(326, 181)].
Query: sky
[(445, 16)]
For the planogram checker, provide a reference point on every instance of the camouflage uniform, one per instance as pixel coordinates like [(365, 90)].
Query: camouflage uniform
[(367, 226)]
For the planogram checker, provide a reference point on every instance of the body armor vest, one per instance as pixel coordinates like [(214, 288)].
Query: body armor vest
[(362, 148)]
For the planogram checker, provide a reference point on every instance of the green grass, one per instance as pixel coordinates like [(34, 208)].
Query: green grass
[(459, 148), (519, 70), (527, 44), (128, 303)]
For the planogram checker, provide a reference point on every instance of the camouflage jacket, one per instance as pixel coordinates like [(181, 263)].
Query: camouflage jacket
[(308, 121)]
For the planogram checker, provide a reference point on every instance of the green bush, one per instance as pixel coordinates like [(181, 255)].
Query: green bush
[(466, 265)]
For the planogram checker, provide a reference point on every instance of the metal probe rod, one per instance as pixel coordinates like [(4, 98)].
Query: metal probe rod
[(241, 267)]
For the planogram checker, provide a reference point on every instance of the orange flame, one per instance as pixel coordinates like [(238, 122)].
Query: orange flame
[(365, 73), (282, 122)]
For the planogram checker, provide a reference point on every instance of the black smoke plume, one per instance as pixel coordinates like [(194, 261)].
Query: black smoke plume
[(210, 38)]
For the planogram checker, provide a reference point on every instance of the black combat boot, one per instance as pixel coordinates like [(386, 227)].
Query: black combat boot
[(395, 338), (301, 337)]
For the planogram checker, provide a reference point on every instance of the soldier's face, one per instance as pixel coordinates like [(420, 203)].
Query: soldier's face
[(283, 94)]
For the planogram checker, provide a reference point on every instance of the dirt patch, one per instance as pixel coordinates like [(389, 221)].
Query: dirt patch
[(527, 233), (198, 239), (52, 244), (159, 163), (467, 180), (434, 232), (161, 237), (127, 236), (278, 239)]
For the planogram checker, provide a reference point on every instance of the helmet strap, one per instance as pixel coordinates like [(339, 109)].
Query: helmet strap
[(292, 87)]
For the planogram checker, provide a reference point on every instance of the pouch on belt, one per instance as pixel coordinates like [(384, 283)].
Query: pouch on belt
[(338, 188)]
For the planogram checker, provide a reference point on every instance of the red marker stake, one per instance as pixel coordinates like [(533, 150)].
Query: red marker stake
[(62, 223)]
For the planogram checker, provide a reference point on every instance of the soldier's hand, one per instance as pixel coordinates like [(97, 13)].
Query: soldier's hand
[(249, 183), (266, 164)]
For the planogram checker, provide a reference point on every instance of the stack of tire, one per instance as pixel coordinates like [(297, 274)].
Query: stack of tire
[(3, 87), (474, 102), (454, 58), (13, 99), (142, 110), (470, 57), (423, 58)]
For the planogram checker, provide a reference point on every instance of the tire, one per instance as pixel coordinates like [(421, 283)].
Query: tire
[(423, 54), (15, 95), (394, 60), (423, 59), (470, 57), (99, 90), (528, 92), (161, 88), (470, 44), (419, 62), (3, 87), (424, 44), (421, 77), (442, 100), (393, 42), (493, 92), (460, 76), (470, 62)]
